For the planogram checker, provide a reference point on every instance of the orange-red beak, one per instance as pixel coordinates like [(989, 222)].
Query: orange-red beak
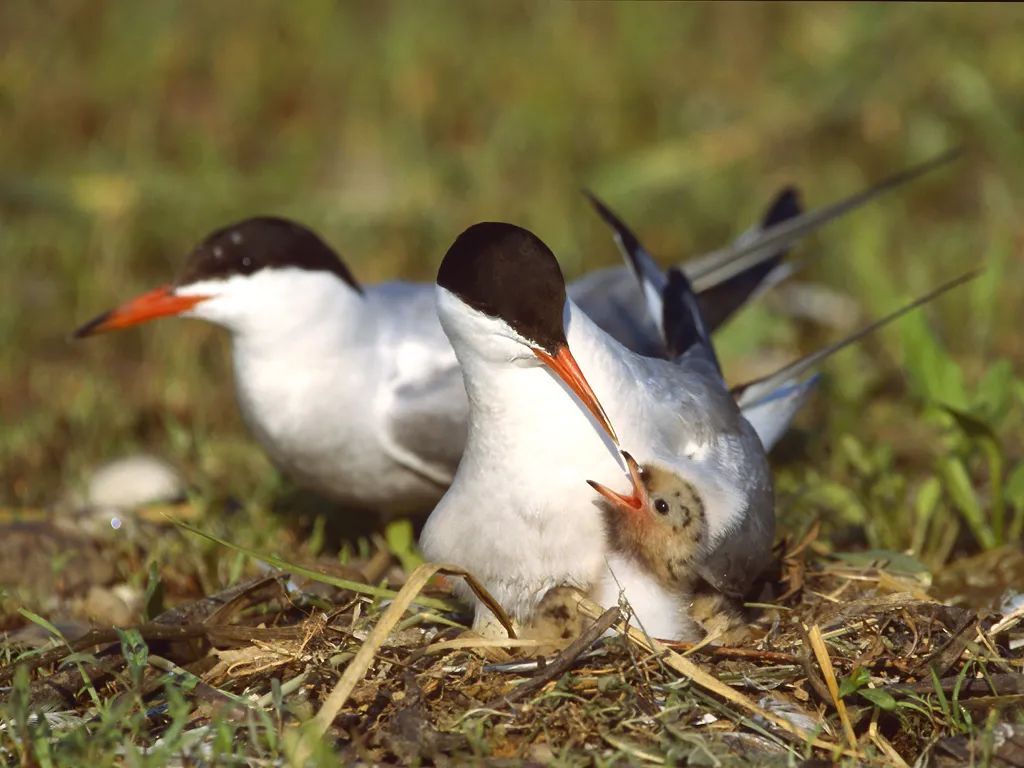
[(565, 367), (637, 500), (160, 302)]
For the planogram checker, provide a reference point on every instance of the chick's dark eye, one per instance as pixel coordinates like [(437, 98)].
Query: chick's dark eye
[(661, 506)]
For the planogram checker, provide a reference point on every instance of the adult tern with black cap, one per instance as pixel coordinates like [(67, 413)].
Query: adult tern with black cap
[(354, 390), (551, 397)]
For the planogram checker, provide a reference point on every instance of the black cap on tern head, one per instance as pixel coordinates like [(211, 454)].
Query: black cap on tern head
[(507, 272), (259, 243)]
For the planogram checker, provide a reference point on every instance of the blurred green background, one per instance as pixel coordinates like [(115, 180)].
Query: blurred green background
[(129, 130)]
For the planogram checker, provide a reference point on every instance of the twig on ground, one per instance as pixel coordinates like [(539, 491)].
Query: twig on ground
[(729, 652), (563, 661), (1003, 683), (946, 656)]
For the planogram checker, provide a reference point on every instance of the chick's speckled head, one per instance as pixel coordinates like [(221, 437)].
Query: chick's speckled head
[(662, 523)]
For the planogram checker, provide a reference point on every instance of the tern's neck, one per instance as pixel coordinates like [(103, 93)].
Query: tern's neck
[(604, 356), (298, 315), (522, 409), (532, 400)]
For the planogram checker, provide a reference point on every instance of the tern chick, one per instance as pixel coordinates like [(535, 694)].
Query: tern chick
[(661, 523), (661, 526)]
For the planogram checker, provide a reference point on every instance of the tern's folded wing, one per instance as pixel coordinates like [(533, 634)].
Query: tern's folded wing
[(612, 298), (425, 427)]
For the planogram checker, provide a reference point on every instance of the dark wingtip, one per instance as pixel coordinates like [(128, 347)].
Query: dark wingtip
[(89, 329), (602, 210), (624, 233), (679, 324), (786, 205)]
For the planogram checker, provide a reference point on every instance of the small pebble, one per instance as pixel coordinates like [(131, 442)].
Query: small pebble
[(132, 482)]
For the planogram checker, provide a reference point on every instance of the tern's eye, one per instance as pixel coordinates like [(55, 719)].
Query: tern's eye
[(661, 506)]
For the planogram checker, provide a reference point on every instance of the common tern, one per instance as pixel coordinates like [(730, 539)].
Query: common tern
[(551, 397), (353, 391)]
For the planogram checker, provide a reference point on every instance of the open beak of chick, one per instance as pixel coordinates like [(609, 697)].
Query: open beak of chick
[(637, 499)]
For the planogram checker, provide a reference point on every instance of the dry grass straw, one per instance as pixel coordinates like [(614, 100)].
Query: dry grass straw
[(710, 683), (360, 664), (828, 672)]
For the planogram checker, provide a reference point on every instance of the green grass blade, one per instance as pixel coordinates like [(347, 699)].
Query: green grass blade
[(323, 578)]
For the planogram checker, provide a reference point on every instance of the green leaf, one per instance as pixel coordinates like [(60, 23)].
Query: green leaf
[(1013, 490), (958, 486), (941, 694), (854, 682), (153, 600), (926, 502), (985, 436), (135, 652), (855, 453), (35, 618), (933, 374), (401, 539), (995, 391), (839, 499), (971, 425), (315, 539), (881, 699)]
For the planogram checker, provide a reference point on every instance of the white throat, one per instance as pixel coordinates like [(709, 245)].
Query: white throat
[(289, 309), (303, 347)]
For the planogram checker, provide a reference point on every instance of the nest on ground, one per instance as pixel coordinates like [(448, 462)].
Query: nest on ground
[(855, 664)]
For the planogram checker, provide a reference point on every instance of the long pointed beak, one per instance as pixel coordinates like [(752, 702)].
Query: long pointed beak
[(565, 367), (637, 500), (160, 302)]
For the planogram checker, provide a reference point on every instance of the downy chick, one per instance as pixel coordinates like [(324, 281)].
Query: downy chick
[(662, 528)]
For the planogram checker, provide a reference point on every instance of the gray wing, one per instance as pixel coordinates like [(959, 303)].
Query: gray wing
[(428, 425), (612, 298), (691, 394), (422, 395), (742, 555), (744, 552), (771, 415)]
